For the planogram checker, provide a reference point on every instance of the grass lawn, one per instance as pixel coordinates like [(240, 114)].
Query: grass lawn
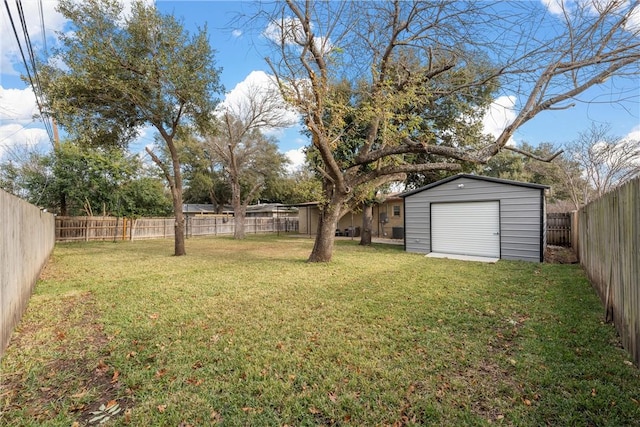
[(247, 333)]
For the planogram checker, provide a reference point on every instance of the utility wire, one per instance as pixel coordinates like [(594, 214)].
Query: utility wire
[(26, 63), (44, 35), (32, 56)]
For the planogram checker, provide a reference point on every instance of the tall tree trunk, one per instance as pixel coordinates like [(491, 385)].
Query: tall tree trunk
[(174, 179), (63, 204), (179, 243), (323, 245), (367, 225), (239, 211), (239, 215)]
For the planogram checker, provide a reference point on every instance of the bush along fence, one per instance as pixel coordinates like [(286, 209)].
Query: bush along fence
[(609, 250), (89, 228), (26, 240)]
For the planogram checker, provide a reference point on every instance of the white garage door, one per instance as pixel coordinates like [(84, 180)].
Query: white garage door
[(470, 228)]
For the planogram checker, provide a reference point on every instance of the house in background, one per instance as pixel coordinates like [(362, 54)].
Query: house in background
[(477, 216), (388, 219), (272, 210), (200, 209), (269, 210)]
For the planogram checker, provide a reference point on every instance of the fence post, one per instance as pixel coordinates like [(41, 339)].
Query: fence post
[(575, 241)]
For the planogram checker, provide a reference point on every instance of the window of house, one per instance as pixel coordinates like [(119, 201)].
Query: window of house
[(396, 210)]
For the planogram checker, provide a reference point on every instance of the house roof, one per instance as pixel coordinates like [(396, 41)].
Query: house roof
[(476, 177), (203, 208), (271, 207), (387, 198)]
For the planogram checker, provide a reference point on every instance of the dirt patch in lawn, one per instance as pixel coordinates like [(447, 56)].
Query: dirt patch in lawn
[(560, 255), (51, 370)]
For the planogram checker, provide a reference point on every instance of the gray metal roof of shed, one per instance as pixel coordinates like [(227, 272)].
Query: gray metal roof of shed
[(480, 178)]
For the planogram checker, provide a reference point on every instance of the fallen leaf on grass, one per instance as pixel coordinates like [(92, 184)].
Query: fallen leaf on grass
[(79, 395), (102, 367), (127, 416), (195, 381), (314, 410), (333, 397), (154, 316), (114, 378), (162, 408)]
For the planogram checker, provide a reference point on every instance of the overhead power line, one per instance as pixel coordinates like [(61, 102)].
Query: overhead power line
[(30, 65), (44, 35)]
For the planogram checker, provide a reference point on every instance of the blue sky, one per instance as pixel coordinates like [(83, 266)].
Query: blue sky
[(238, 56)]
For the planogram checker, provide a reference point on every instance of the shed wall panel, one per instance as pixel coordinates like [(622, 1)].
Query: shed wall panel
[(521, 215)]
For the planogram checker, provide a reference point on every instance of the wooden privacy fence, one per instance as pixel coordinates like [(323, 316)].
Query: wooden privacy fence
[(559, 229), (69, 229), (26, 241), (609, 250)]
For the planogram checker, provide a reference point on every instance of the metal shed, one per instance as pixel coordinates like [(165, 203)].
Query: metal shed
[(477, 216)]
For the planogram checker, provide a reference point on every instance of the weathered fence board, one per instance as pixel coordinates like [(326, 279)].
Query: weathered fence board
[(559, 229), (26, 241), (70, 229), (609, 249)]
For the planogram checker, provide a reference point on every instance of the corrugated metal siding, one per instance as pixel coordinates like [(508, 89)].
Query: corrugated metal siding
[(520, 215)]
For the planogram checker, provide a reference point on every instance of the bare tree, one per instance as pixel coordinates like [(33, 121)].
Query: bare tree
[(606, 161), (422, 74), (246, 156)]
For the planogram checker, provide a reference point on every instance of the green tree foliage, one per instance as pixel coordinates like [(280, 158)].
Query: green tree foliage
[(204, 180), (113, 74), (80, 180), (300, 186)]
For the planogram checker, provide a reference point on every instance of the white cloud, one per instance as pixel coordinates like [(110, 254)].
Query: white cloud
[(500, 114), (17, 138), (236, 33), (634, 135), (633, 21), (19, 128), (17, 105), (297, 159), (597, 7), (555, 7), (290, 32)]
